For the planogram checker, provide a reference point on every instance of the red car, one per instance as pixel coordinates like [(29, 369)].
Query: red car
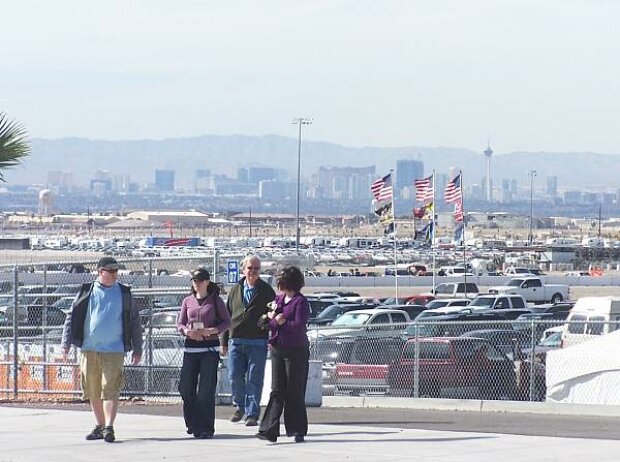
[(367, 367), (419, 299), (456, 367)]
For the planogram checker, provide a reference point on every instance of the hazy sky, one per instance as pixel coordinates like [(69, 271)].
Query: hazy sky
[(536, 75)]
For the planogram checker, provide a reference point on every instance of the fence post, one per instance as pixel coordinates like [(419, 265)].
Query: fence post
[(216, 266), (532, 359), (15, 336), (416, 364), (44, 326)]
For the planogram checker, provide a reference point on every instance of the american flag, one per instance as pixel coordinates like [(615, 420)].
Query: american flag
[(382, 188), (458, 211), (452, 194), (424, 189)]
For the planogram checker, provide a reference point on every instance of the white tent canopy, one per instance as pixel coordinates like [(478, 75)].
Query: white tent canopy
[(586, 373)]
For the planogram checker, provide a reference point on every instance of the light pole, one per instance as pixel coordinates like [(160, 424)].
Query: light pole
[(531, 174), (299, 121)]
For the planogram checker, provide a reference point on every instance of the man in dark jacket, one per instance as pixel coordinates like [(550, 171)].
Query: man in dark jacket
[(246, 342), (105, 324)]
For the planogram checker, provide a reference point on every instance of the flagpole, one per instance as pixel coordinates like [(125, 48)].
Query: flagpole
[(433, 231), (394, 225), (463, 233)]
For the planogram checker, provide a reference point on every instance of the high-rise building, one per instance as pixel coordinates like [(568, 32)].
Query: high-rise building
[(506, 194), (164, 180), (59, 180), (407, 171), (277, 190), (552, 186), (345, 182)]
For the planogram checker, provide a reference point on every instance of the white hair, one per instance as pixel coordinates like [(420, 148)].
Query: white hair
[(248, 259)]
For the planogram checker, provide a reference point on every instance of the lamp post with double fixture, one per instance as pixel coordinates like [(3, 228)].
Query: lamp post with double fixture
[(299, 121), (530, 237)]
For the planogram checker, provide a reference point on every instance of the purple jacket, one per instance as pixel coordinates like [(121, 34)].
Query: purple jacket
[(293, 333), (192, 310)]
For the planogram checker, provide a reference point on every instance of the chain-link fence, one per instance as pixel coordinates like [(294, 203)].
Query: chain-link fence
[(484, 359), (35, 300), (500, 360)]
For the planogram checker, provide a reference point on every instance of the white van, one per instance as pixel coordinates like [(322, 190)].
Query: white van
[(591, 316)]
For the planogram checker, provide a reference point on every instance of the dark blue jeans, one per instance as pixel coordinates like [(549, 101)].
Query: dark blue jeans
[(197, 387), (246, 370)]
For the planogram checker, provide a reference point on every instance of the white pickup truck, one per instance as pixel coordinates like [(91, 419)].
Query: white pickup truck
[(533, 290)]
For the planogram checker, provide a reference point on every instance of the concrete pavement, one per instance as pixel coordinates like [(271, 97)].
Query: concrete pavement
[(42, 434)]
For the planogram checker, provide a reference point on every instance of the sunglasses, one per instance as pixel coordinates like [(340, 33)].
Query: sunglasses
[(252, 267), (111, 271), (199, 280)]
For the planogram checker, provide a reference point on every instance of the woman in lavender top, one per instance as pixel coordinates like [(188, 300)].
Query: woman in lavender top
[(289, 359), (202, 318)]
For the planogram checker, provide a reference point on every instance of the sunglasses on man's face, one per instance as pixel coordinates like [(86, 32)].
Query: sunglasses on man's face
[(111, 271), (252, 267)]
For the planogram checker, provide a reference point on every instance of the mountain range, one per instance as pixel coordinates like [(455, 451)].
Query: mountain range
[(225, 154)]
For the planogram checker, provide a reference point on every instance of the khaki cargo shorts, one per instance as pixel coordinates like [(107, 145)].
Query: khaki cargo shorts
[(102, 374)]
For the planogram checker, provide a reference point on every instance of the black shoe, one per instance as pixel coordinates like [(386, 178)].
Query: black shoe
[(251, 421), (237, 416), (299, 438), (190, 430), (203, 436), (266, 437), (96, 434), (108, 434)]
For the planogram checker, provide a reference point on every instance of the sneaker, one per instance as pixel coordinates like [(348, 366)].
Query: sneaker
[(190, 430), (237, 416), (251, 421), (203, 436), (96, 434), (299, 438), (108, 434)]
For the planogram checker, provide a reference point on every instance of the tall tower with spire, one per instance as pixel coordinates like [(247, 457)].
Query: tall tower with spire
[(488, 152)]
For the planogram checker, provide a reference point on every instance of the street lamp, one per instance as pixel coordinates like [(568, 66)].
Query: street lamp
[(531, 174), (299, 121)]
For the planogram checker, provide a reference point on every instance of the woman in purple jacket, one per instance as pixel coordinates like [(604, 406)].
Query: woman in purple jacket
[(289, 359), (202, 318)]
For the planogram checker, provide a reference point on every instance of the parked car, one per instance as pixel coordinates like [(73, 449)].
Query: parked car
[(505, 340), (591, 317), (361, 322), (541, 322), (497, 302), (411, 310), (419, 299), (456, 290), (333, 312), (455, 324), (577, 274), (367, 366), (533, 290), (447, 302), (457, 367), (516, 271)]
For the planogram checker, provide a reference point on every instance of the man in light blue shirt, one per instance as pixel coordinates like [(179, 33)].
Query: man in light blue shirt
[(105, 323)]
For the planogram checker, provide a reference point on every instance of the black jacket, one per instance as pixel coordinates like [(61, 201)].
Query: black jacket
[(73, 332), (244, 321)]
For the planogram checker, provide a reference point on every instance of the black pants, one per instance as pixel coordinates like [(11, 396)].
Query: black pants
[(289, 373), (197, 387)]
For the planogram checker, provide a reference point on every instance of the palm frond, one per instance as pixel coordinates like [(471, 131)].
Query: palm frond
[(14, 143)]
